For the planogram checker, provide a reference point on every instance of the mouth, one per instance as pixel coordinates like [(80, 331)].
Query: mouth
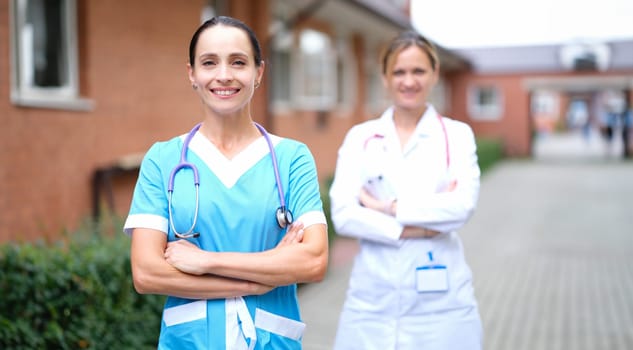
[(225, 92), (409, 93)]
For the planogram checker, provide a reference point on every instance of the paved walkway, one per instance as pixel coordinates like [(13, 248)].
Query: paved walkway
[(551, 249)]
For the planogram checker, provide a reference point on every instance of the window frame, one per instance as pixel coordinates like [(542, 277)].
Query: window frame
[(65, 96), (377, 97), (281, 47), (345, 75), (489, 111), (328, 82)]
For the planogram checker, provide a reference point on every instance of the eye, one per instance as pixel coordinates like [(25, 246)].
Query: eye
[(419, 71), (239, 62), (207, 63), (398, 73)]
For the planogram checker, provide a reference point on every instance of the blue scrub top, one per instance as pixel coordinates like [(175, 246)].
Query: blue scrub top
[(237, 205)]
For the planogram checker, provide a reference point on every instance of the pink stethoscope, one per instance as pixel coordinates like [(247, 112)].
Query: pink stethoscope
[(448, 154)]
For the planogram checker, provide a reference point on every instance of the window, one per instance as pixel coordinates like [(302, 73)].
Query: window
[(544, 103), (345, 75), (315, 84), (485, 103), (377, 97), (313, 74), (44, 54), (280, 72)]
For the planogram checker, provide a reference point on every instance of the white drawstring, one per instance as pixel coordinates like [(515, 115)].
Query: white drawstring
[(239, 325)]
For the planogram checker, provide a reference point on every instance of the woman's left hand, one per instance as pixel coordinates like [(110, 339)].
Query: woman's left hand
[(185, 256), (371, 202), (294, 234)]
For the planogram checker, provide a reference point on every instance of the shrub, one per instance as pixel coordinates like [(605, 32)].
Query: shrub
[(325, 199), (74, 294), (489, 152)]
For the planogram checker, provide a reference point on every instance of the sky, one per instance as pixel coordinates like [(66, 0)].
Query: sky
[(488, 23)]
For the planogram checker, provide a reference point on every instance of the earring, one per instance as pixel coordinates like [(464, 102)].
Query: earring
[(256, 84), (194, 86)]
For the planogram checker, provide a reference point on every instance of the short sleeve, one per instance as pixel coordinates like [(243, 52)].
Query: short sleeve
[(304, 194), (149, 202)]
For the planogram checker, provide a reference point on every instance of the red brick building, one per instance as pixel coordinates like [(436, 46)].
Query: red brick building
[(87, 86), (514, 93)]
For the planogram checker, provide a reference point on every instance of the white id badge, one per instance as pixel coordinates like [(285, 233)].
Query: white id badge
[(431, 278)]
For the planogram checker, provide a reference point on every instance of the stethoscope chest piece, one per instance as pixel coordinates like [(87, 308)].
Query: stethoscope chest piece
[(284, 217)]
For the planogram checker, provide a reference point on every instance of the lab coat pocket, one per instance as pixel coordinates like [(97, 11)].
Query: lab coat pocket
[(185, 326), (277, 332)]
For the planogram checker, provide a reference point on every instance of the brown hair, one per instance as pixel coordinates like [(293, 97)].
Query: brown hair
[(229, 22), (405, 40)]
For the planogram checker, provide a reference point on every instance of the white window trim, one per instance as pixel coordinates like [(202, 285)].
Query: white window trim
[(58, 98), (377, 99), (328, 81), (279, 105), (349, 93), (485, 113)]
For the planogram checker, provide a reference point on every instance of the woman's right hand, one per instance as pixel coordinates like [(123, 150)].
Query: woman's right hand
[(259, 288), (418, 232)]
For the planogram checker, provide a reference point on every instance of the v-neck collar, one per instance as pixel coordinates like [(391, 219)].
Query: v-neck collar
[(427, 125), (230, 170)]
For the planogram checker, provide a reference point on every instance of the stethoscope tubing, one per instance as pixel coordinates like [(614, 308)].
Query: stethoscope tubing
[(183, 164), (280, 190), (283, 219)]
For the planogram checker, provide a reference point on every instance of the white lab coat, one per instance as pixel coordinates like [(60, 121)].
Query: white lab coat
[(383, 310)]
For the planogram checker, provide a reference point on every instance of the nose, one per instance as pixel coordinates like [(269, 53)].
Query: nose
[(408, 80), (224, 73)]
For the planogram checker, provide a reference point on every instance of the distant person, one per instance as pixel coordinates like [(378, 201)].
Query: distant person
[(404, 183), (627, 123), (211, 219), (578, 118), (608, 124)]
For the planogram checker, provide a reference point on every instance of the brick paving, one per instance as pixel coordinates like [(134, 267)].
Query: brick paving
[(551, 249)]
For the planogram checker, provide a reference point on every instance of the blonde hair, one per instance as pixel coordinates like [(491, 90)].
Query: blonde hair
[(405, 40)]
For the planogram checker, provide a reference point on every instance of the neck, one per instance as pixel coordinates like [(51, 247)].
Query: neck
[(407, 119), (230, 135)]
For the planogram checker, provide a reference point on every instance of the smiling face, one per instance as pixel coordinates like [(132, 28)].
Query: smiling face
[(409, 78), (224, 72)]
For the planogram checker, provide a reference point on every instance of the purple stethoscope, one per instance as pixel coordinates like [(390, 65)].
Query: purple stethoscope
[(283, 214)]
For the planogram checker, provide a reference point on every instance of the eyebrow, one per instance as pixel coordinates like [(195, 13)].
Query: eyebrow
[(231, 55)]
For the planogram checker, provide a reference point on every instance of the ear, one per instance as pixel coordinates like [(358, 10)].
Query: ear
[(190, 73), (260, 71), (436, 74)]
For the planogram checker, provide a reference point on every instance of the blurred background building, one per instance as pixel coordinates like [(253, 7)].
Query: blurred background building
[(87, 86)]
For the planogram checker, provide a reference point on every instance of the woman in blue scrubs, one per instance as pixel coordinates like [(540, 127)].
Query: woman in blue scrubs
[(404, 184), (218, 251)]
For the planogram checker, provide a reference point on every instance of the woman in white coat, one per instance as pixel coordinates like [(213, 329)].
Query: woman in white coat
[(404, 184)]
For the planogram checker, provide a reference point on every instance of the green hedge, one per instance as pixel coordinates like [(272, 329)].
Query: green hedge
[(74, 295), (489, 152)]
